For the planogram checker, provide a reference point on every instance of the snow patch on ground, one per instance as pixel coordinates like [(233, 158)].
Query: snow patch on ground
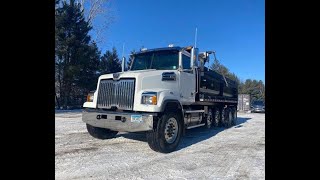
[(234, 153)]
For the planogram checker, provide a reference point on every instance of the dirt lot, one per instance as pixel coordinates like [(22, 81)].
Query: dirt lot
[(234, 153)]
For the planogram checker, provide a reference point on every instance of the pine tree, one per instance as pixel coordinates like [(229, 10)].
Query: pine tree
[(88, 68), (223, 70), (76, 57), (130, 59), (261, 89), (254, 88), (110, 62)]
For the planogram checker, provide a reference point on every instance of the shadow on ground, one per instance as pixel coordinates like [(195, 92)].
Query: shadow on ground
[(67, 111), (192, 136)]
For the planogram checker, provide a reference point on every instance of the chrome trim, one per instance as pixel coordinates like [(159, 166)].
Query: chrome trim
[(195, 111), (116, 94), (198, 125), (171, 130), (91, 116)]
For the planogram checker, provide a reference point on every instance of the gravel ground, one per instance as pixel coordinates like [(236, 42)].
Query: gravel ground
[(234, 153)]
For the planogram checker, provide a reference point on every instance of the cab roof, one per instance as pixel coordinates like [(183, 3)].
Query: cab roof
[(175, 48)]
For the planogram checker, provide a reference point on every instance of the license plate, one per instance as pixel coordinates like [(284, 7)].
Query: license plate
[(136, 118)]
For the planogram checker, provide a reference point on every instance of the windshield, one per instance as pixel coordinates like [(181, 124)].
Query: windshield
[(258, 103), (160, 60)]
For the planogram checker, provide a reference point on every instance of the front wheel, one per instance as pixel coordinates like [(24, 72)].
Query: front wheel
[(166, 136)]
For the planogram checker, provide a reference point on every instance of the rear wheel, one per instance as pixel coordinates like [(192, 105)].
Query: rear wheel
[(226, 117), (234, 116), (216, 121), (166, 136), (209, 120), (101, 133), (230, 118), (223, 117)]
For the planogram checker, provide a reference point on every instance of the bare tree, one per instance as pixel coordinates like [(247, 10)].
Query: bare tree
[(95, 9)]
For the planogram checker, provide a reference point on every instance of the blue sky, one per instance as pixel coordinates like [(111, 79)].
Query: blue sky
[(235, 29)]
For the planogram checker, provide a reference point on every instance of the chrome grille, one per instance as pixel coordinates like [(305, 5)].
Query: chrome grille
[(116, 93)]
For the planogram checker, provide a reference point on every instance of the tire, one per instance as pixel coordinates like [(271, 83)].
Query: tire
[(234, 116), (217, 117), (166, 136), (101, 133), (226, 117), (230, 118), (209, 119), (223, 117)]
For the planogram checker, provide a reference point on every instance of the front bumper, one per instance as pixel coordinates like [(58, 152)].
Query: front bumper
[(118, 121)]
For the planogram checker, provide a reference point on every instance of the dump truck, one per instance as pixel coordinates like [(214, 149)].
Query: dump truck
[(166, 91)]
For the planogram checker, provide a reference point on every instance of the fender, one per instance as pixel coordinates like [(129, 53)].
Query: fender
[(165, 102), (180, 107)]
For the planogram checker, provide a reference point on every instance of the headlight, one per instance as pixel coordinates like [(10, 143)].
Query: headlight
[(149, 98), (90, 97)]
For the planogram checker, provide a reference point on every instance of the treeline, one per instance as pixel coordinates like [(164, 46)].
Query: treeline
[(78, 61), (253, 87)]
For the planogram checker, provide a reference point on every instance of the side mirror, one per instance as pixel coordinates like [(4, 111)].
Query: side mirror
[(194, 57), (203, 58)]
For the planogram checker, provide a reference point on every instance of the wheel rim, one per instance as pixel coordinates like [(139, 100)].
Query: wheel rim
[(171, 130), (209, 119)]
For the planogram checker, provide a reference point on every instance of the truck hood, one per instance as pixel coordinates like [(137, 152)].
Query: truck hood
[(149, 80), (127, 74)]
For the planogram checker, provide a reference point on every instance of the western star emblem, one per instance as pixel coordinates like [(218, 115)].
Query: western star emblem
[(116, 76)]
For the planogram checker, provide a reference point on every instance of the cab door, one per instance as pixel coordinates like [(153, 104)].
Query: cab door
[(187, 80)]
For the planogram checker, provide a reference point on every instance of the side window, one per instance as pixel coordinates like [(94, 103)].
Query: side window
[(185, 62)]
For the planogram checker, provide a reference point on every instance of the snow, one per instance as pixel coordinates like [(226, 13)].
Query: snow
[(234, 153)]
